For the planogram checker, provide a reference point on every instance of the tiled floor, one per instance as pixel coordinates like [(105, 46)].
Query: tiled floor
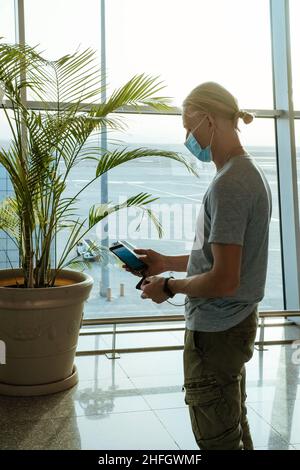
[(136, 402)]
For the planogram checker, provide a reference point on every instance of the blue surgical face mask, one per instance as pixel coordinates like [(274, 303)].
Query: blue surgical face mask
[(191, 143)]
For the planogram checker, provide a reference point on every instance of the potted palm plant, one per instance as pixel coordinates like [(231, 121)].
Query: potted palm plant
[(41, 302)]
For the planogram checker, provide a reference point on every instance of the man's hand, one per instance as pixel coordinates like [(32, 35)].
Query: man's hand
[(155, 261), (152, 288)]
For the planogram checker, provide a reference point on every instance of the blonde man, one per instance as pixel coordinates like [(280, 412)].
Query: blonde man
[(226, 272)]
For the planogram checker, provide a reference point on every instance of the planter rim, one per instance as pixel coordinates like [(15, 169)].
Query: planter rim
[(25, 299), (81, 280)]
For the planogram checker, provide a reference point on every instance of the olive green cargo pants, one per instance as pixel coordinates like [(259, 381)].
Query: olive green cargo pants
[(214, 384)]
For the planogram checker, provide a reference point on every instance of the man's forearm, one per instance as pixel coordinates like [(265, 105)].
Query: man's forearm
[(206, 285), (176, 263)]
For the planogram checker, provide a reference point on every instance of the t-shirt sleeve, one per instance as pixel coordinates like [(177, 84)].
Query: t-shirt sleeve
[(229, 211)]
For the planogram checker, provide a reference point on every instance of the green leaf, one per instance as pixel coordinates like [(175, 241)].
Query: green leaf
[(9, 217), (99, 212), (110, 160)]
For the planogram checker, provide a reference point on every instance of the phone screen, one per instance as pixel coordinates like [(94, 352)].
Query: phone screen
[(128, 258)]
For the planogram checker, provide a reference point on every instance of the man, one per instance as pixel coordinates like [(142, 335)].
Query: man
[(226, 272)]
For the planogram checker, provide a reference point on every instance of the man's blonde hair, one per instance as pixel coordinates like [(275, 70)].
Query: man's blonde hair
[(214, 99)]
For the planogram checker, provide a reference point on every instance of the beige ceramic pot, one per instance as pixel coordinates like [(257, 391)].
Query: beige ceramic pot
[(40, 329)]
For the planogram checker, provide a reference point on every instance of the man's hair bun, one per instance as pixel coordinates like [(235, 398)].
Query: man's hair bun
[(245, 116)]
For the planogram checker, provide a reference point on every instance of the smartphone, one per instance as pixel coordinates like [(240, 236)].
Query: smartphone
[(124, 251)]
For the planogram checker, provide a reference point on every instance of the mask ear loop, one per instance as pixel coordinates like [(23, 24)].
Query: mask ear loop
[(212, 136), (198, 125)]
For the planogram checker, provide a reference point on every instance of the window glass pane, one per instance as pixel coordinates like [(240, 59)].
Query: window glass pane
[(295, 50), (80, 176), (7, 20), (297, 138), (8, 253), (259, 138), (190, 42), (61, 27), (180, 198)]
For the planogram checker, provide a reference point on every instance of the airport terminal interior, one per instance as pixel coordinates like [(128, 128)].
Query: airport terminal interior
[(125, 388)]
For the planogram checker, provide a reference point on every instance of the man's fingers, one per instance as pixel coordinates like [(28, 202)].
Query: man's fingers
[(132, 271), (144, 284), (127, 268), (140, 251)]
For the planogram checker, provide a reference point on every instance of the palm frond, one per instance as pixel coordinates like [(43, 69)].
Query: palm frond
[(74, 78), (9, 218), (15, 59), (99, 212), (78, 264), (139, 91), (118, 157)]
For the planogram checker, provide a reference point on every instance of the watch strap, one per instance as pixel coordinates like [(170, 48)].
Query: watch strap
[(166, 288)]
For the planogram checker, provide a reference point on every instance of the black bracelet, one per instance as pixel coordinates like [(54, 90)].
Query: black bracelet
[(166, 288)]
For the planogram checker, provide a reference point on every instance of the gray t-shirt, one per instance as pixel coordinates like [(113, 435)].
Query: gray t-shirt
[(236, 209)]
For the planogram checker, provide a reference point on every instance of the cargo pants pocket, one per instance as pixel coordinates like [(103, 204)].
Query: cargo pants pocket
[(215, 425)]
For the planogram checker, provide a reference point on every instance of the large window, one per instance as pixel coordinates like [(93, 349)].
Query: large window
[(185, 43)]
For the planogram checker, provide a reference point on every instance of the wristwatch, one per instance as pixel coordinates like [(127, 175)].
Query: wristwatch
[(166, 288)]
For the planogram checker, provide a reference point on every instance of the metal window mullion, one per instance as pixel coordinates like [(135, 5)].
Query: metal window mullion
[(104, 178), (286, 151), (20, 39), (19, 22), (38, 105)]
